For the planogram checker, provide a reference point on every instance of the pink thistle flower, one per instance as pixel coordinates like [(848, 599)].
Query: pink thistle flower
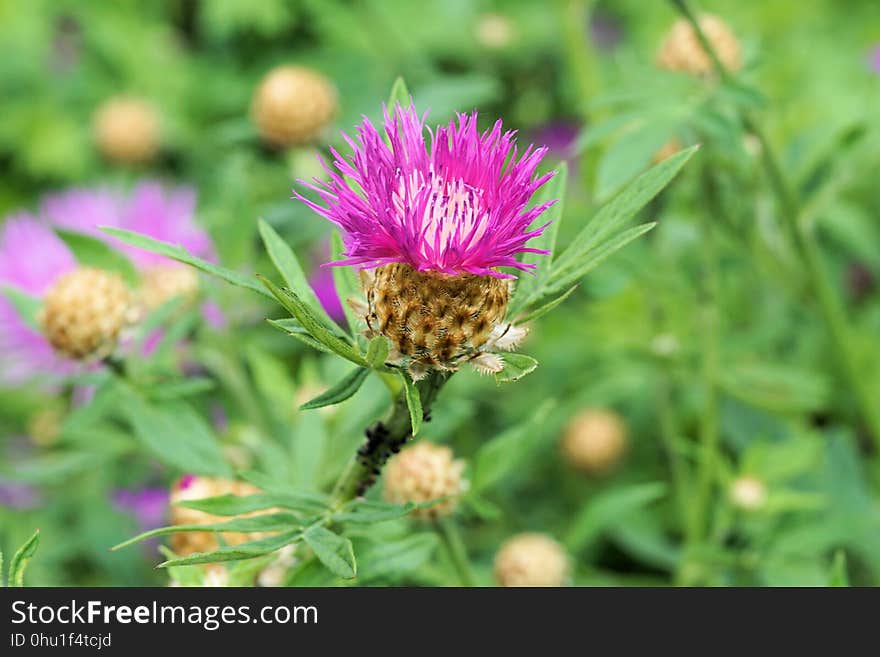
[(457, 205), (32, 258)]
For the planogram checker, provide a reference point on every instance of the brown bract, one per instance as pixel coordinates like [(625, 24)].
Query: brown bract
[(431, 318)]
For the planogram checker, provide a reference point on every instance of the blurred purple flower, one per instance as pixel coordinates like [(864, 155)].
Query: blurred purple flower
[(148, 506), (32, 257), (325, 289), (606, 30), (163, 213), (874, 59), (18, 495), (559, 137)]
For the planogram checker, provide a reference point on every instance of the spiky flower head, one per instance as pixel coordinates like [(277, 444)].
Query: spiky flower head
[(293, 105), (682, 51), (424, 472), (594, 440), (193, 487), (84, 311), (126, 130), (436, 221), (531, 559)]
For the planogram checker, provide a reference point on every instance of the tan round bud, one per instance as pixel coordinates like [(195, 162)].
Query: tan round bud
[(293, 105), (594, 441), (430, 318), (494, 31), (126, 130), (424, 472), (193, 487), (162, 283), (531, 559), (748, 493), (84, 311), (44, 426), (667, 150), (681, 49)]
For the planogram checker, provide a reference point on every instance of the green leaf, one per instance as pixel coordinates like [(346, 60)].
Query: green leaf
[(610, 507), (413, 402), (838, 576), (507, 451), (594, 258), (304, 316), (249, 550), (368, 512), (340, 392), (293, 329), (266, 522), (530, 285), (182, 255), (288, 266), (607, 223), (168, 390), (377, 352), (27, 307), (21, 558), (399, 94), (396, 559), (540, 311), (632, 152), (92, 252), (347, 284), (333, 550), (235, 505), (516, 366), (174, 433)]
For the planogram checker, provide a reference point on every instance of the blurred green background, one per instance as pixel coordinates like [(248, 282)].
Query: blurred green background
[(581, 77)]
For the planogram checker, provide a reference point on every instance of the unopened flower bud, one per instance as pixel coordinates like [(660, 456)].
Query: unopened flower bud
[(531, 559), (681, 49), (162, 283), (127, 130), (594, 441), (44, 426), (293, 105), (494, 31), (748, 493), (84, 311), (433, 318), (424, 472), (192, 487)]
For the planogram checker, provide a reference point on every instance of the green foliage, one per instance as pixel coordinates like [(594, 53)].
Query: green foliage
[(20, 560)]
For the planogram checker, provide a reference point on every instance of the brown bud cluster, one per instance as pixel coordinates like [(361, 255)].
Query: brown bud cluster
[(195, 488), (594, 441), (424, 472), (84, 311), (681, 49), (293, 105), (126, 130), (531, 559), (430, 318)]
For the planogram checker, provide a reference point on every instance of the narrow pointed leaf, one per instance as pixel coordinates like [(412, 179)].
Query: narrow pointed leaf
[(332, 550), (304, 316), (21, 558), (182, 255), (540, 311), (516, 366), (343, 390), (27, 307), (89, 251), (249, 550), (399, 94), (413, 402), (234, 505)]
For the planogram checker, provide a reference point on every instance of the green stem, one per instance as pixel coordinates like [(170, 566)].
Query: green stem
[(708, 430), (830, 306), (384, 438), (447, 530)]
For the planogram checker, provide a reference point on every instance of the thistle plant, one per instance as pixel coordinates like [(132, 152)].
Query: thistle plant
[(446, 253)]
